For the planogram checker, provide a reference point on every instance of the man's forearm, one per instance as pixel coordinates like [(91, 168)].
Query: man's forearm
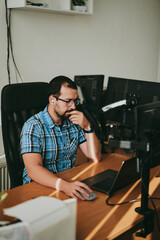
[(94, 147), (43, 176)]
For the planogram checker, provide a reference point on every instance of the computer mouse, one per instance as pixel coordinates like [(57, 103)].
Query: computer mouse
[(91, 197)]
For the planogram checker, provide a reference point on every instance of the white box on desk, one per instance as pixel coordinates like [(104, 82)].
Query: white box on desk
[(43, 218)]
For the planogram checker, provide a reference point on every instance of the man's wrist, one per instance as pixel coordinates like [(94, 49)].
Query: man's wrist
[(62, 185), (88, 130), (58, 181)]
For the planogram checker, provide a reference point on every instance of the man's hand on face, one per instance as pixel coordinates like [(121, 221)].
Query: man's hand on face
[(78, 118)]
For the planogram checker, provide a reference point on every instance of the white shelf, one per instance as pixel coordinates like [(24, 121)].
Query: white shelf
[(55, 6)]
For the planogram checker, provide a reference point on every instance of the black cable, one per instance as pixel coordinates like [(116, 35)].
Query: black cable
[(130, 201), (115, 204), (8, 53), (11, 47), (135, 200)]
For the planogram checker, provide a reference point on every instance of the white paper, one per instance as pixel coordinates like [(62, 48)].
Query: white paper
[(47, 218), (35, 209)]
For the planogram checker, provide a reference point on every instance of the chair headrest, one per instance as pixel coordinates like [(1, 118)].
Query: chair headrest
[(20, 96)]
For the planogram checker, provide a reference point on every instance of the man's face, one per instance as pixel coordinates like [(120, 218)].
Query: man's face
[(63, 109)]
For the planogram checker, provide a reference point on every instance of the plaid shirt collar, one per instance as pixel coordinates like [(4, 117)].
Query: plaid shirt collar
[(66, 123)]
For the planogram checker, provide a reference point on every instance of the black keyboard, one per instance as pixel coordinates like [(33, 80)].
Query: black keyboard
[(105, 184), (106, 177)]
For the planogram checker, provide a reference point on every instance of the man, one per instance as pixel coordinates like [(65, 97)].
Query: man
[(49, 139)]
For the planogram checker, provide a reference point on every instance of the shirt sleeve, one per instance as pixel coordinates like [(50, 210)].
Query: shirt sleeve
[(30, 139), (82, 137)]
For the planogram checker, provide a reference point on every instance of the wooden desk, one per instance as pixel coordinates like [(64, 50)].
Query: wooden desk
[(95, 219)]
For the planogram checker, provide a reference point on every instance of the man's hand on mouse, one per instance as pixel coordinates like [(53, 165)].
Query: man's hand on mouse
[(78, 118), (73, 189)]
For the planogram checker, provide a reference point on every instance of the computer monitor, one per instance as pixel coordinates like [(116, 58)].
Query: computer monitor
[(136, 92), (147, 130), (92, 88)]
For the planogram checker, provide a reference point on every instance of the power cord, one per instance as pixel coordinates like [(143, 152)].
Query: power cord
[(8, 52), (116, 204), (130, 201), (135, 200), (10, 45)]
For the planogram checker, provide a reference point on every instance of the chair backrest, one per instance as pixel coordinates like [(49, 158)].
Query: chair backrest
[(18, 103)]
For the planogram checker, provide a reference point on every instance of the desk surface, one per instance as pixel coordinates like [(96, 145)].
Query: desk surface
[(95, 219)]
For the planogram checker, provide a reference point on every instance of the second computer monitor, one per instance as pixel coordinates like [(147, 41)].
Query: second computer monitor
[(92, 88), (136, 92), (147, 122)]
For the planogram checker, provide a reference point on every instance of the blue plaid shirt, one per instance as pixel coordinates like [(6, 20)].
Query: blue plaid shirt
[(57, 144)]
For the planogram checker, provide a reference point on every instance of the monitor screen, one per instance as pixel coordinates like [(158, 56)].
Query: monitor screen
[(147, 121), (137, 92), (92, 88)]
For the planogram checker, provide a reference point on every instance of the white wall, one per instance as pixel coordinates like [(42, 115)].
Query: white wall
[(121, 38)]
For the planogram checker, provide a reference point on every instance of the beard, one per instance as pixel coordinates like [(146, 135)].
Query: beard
[(64, 116)]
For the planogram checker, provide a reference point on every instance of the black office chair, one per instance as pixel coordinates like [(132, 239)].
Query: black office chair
[(18, 103)]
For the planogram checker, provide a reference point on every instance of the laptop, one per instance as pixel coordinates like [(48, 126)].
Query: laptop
[(110, 181)]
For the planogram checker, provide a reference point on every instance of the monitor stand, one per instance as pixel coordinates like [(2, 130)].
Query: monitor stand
[(147, 225), (143, 155)]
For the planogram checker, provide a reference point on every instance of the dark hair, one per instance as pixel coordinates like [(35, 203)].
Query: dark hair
[(56, 83)]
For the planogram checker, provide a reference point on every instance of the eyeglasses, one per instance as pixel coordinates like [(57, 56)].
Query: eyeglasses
[(70, 101)]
